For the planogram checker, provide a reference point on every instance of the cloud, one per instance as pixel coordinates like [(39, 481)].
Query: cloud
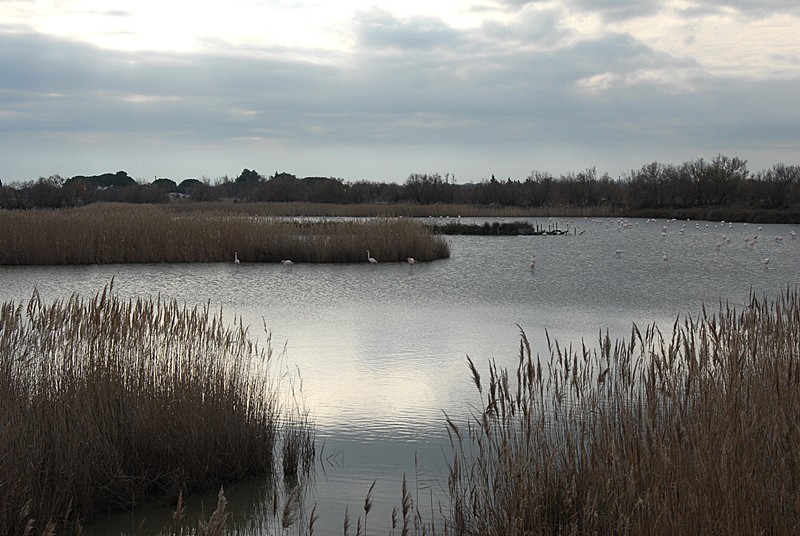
[(752, 8), (615, 10), (379, 30), (539, 85)]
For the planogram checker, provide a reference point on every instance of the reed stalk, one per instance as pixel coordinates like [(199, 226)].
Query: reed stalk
[(691, 433), (396, 210), (106, 403)]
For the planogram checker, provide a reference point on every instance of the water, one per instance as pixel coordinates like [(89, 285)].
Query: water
[(381, 350)]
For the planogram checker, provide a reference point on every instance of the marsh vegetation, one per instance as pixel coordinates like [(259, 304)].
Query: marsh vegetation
[(108, 403), (117, 233), (689, 432)]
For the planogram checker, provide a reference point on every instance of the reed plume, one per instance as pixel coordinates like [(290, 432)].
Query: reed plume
[(694, 432), (107, 402)]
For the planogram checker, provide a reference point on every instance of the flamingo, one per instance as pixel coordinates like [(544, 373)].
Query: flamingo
[(236, 260), (666, 258), (766, 262), (287, 262), (533, 262), (371, 259), (411, 261)]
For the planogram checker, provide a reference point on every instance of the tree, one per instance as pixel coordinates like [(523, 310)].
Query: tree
[(248, 176), (120, 179), (166, 184), (778, 187), (281, 187), (188, 186), (538, 189), (78, 193), (46, 192), (427, 188), (646, 186), (582, 189), (717, 182), (323, 190)]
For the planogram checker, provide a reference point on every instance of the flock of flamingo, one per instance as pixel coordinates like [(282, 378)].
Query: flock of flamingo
[(411, 261), (622, 224), (750, 241)]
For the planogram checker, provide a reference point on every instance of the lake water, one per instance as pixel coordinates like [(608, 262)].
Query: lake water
[(381, 350)]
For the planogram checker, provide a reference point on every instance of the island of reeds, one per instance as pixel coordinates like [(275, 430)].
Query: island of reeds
[(120, 233), (107, 403)]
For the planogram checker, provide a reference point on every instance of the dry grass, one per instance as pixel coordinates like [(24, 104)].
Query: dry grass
[(107, 402), (117, 233), (695, 433), (395, 210)]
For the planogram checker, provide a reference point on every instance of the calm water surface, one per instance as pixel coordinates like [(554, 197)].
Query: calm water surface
[(381, 350)]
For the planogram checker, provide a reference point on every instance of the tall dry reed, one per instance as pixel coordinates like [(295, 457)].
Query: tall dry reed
[(693, 433), (118, 233), (395, 210), (107, 402)]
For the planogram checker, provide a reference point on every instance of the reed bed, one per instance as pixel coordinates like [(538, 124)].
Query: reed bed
[(106, 403), (693, 433), (395, 210), (117, 233)]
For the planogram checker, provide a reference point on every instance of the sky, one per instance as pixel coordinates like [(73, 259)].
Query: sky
[(376, 91)]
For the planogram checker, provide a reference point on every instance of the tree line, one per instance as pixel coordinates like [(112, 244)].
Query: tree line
[(720, 183)]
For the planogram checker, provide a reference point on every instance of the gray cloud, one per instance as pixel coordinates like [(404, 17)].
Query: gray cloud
[(619, 9), (416, 95), (611, 10), (756, 8), (379, 30)]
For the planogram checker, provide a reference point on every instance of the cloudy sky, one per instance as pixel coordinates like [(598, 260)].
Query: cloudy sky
[(377, 90)]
